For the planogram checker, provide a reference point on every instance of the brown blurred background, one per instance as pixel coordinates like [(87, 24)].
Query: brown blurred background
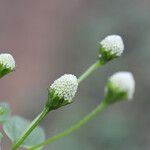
[(51, 37)]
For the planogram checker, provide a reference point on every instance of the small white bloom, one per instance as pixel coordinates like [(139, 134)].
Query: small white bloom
[(125, 82), (65, 87), (7, 60), (113, 44)]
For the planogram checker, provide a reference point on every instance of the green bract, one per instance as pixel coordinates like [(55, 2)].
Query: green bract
[(4, 70), (114, 94), (54, 101), (106, 56)]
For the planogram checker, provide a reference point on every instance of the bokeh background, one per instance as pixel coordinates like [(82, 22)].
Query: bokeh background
[(51, 37)]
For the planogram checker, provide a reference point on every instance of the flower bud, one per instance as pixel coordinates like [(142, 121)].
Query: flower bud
[(62, 91), (120, 85), (7, 64), (111, 47)]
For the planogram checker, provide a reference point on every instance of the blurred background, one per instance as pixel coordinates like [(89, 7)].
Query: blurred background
[(51, 37)]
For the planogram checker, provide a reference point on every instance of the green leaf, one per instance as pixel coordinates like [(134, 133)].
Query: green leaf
[(14, 128), (1, 136), (4, 112)]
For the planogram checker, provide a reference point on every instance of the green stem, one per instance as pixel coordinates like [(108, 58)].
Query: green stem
[(92, 68), (37, 120), (31, 127), (98, 109)]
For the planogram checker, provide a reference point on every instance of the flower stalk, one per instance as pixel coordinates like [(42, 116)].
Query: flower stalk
[(119, 87), (63, 90), (60, 93), (37, 120), (32, 126), (90, 70), (76, 126)]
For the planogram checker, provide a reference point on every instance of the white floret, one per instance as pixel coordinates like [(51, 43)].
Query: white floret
[(124, 81), (113, 44), (65, 86), (7, 60)]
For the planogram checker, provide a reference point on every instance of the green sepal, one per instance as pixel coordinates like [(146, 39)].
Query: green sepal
[(54, 101), (114, 94), (105, 56), (4, 70)]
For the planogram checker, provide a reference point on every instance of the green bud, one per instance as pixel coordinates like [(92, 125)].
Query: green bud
[(120, 86), (111, 47), (62, 91), (7, 64)]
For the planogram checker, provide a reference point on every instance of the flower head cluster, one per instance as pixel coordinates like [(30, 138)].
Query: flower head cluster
[(63, 90), (121, 85), (7, 64), (124, 81), (111, 47), (65, 87), (7, 60)]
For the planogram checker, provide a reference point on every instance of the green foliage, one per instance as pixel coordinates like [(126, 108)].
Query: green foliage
[(15, 126), (1, 136), (4, 112)]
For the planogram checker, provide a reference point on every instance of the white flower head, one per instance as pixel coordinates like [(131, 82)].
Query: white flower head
[(124, 81), (113, 44), (7, 61), (65, 87)]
